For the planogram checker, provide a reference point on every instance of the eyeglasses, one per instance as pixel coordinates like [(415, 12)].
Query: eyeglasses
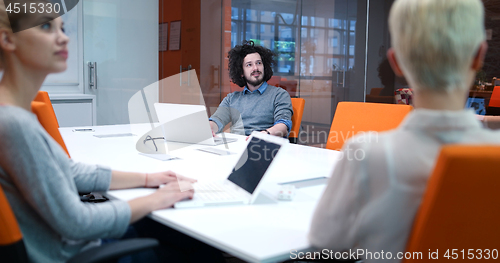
[(149, 138)]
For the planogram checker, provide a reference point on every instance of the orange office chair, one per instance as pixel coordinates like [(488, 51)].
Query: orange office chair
[(42, 108), (274, 81), (298, 111), (43, 96), (12, 248), (459, 209), (11, 240), (495, 98), (354, 117)]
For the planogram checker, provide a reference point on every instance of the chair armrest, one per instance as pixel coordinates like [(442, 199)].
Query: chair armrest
[(114, 250)]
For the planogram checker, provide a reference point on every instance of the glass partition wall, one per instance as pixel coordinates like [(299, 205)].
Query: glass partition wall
[(328, 50), (321, 47)]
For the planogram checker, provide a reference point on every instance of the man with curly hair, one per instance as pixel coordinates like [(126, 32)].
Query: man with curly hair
[(259, 107)]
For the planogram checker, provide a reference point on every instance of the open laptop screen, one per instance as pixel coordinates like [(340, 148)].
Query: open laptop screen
[(253, 164), (477, 104)]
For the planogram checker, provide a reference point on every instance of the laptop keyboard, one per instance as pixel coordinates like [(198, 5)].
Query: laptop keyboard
[(214, 191)]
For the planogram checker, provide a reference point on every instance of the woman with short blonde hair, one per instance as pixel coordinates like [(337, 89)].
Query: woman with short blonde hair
[(370, 203)]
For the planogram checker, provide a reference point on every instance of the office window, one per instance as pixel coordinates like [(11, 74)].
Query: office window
[(334, 42), (315, 42), (267, 16), (234, 13)]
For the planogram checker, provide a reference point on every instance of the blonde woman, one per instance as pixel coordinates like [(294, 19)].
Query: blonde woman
[(372, 198)]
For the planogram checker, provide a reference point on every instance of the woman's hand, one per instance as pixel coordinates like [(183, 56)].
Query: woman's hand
[(157, 179), (174, 192), (164, 197)]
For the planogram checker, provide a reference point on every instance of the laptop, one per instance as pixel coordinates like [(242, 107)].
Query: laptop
[(187, 124), (243, 185), (477, 104)]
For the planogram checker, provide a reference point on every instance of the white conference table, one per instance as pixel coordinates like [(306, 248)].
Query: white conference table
[(265, 232)]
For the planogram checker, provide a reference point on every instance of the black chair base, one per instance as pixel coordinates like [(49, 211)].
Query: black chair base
[(14, 253)]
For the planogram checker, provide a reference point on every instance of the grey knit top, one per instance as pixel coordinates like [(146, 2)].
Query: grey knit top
[(42, 185)]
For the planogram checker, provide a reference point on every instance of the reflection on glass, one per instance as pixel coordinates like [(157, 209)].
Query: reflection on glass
[(315, 41), (251, 15), (267, 16), (234, 13)]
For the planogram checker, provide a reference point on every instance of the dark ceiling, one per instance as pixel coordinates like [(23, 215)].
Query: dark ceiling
[(492, 7)]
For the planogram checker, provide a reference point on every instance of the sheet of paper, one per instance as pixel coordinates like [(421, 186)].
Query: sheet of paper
[(175, 35), (163, 36)]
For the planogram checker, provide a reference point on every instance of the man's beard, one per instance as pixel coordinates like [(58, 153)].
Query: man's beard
[(256, 82)]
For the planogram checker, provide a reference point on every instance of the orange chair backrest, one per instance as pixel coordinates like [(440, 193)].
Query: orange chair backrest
[(352, 118), (9, 229), (495, 97), (42, 108), (274, 81), (459, 209), (43, 96), (298, 111)]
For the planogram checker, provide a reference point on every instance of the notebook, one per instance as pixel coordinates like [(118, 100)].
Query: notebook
[(187, 124), (242, 186)]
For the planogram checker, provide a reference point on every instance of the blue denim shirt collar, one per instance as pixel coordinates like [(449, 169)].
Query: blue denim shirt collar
[(261, 89)]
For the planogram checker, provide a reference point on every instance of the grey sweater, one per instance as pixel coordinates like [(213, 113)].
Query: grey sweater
[(42, 185), (250, 111)]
